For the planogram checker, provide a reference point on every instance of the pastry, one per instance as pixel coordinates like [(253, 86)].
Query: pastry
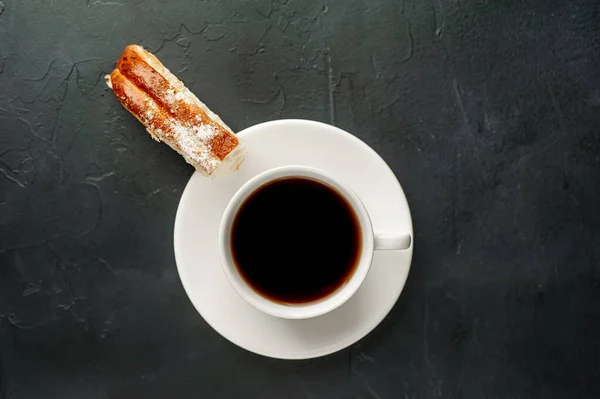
[(173, 114)]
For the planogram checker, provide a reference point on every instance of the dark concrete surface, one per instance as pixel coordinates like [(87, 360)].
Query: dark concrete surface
[(487, 111)]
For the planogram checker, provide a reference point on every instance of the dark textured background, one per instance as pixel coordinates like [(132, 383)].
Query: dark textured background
[(487, 111)]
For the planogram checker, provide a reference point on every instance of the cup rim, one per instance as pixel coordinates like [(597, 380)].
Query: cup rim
[(310, 309)]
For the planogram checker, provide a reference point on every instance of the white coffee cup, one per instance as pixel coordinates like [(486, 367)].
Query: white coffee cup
[(371, 241)]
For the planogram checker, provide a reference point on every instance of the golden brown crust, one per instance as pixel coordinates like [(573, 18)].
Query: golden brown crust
[(169, 110), (137, 102)]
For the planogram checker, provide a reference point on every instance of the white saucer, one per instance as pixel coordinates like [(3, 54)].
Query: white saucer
[(269, 145)]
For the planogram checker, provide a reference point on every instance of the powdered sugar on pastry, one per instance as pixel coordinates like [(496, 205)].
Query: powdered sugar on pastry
[(171, 113)]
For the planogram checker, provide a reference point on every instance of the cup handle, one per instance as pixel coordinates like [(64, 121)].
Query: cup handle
[(385, 241)]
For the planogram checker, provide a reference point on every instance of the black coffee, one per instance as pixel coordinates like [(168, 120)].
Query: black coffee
[(295, 240)]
